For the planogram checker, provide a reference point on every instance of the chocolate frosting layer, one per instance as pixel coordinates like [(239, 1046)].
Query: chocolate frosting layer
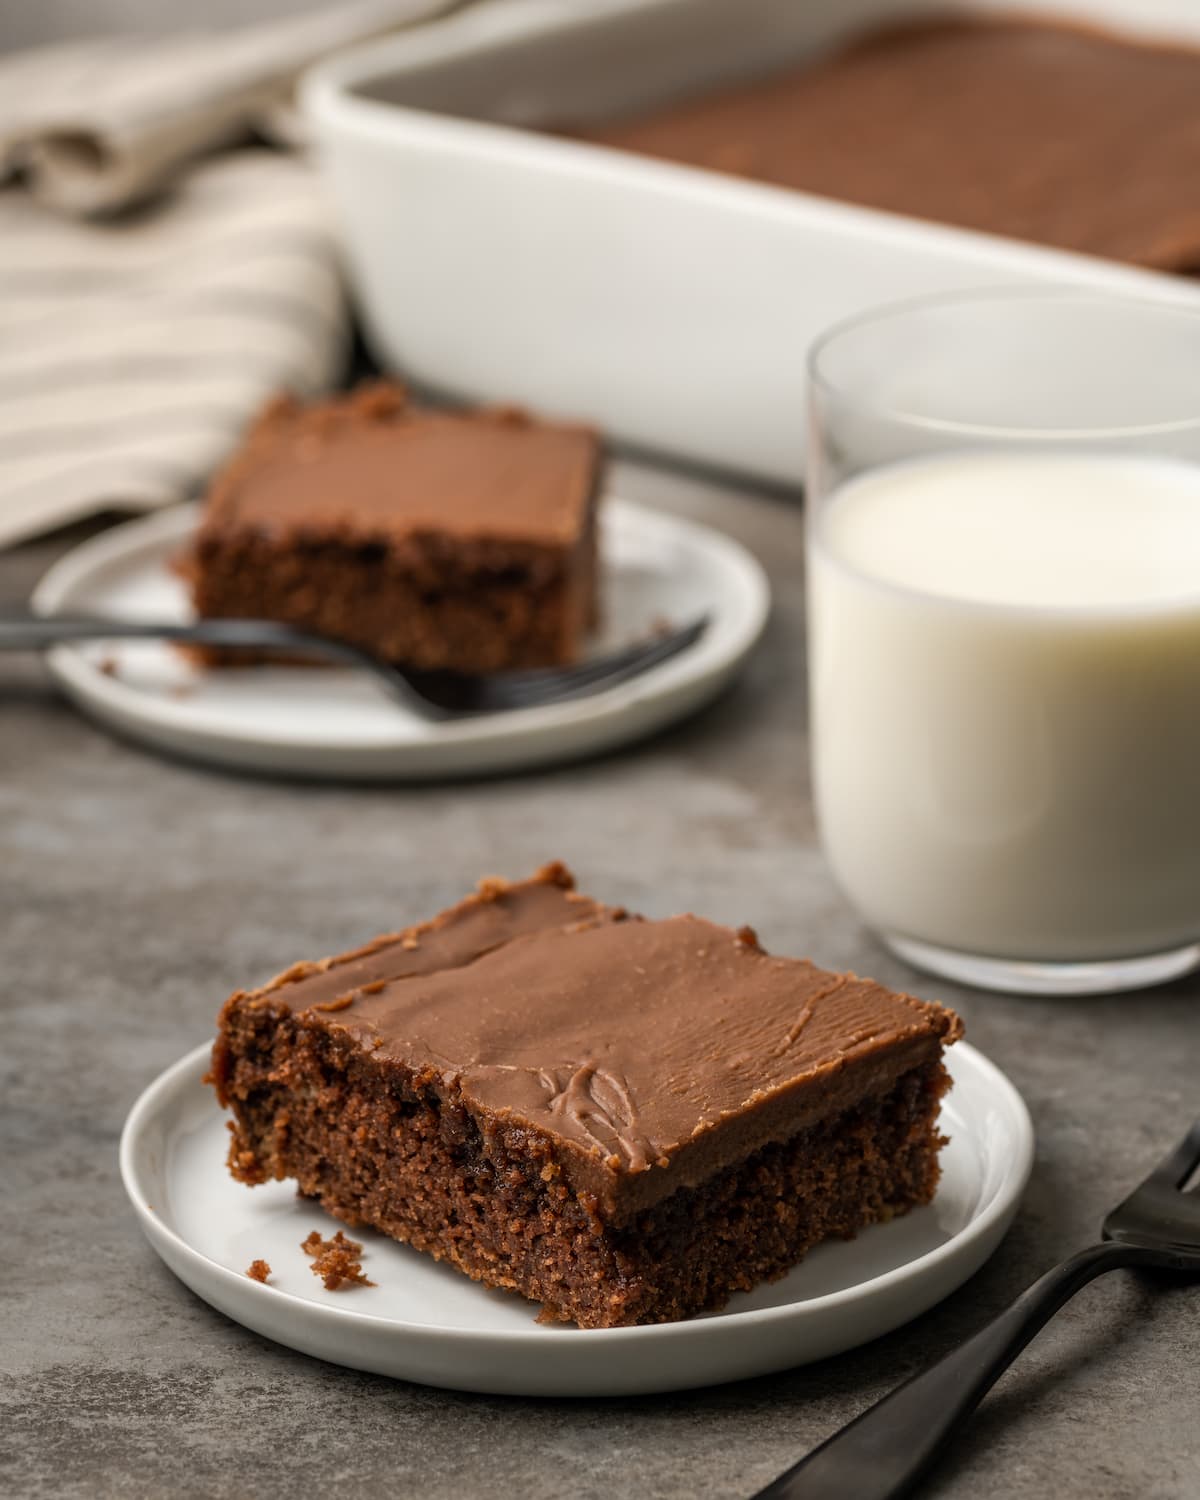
[(369, 467), (1054, 133), (494, 915), (649, 1053)]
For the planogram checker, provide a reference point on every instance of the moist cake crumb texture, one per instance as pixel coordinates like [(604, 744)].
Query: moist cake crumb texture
[(623, 1120), (258, 1270), (336, 1261)]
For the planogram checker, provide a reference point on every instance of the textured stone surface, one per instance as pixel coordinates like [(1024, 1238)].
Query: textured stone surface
[(135, 892)]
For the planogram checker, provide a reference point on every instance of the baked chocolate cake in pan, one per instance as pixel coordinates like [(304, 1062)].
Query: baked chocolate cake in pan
[(1053, 132), (624, 1120), (457, 541)]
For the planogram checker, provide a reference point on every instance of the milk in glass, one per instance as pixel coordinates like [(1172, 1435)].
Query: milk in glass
[(1005, 665)]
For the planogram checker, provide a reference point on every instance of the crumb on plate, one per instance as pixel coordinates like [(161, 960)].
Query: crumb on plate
[(335, 1261)]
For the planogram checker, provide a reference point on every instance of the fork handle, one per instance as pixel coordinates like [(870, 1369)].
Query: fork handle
[(34, 633), (882, 1453), (30, 632)]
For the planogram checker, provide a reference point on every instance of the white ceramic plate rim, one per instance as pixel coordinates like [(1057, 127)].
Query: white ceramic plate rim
[(732, 634), (1005, 1197)]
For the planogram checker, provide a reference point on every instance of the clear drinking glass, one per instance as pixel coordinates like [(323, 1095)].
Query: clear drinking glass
[(1004, 647)]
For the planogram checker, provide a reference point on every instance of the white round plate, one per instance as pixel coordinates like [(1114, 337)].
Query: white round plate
[(332, 722), (423, 1321)]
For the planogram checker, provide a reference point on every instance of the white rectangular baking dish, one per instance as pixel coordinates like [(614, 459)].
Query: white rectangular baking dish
[(670, 305)]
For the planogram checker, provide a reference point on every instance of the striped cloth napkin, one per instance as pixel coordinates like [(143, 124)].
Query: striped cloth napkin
[(160, 274)]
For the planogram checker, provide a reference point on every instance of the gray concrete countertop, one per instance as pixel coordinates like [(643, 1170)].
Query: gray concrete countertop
[(136, 892)]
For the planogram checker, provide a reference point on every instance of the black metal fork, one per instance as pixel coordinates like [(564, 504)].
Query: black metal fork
[(434, 695), (882, 1453)]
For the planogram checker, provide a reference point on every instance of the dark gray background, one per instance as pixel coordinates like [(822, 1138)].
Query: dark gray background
[(136, 892)]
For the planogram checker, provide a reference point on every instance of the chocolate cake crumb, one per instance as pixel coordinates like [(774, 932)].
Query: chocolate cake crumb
[(342, 1002), (508, 415), (380, 400), (258, 1270), (335, 1261)]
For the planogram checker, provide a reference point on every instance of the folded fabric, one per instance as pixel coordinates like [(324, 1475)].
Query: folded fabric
[(132, 356), (154, 290), (98, 125)]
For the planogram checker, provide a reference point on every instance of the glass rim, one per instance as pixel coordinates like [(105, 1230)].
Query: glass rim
[(1175, 307)]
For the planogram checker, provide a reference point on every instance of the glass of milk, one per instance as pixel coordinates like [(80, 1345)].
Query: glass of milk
[(1004, 633)]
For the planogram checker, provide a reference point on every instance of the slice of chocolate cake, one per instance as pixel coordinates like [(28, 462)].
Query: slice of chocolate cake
[(455, 541), (624, 1120)]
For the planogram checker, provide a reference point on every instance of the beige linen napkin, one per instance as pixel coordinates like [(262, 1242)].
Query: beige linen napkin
[(154, 289)]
